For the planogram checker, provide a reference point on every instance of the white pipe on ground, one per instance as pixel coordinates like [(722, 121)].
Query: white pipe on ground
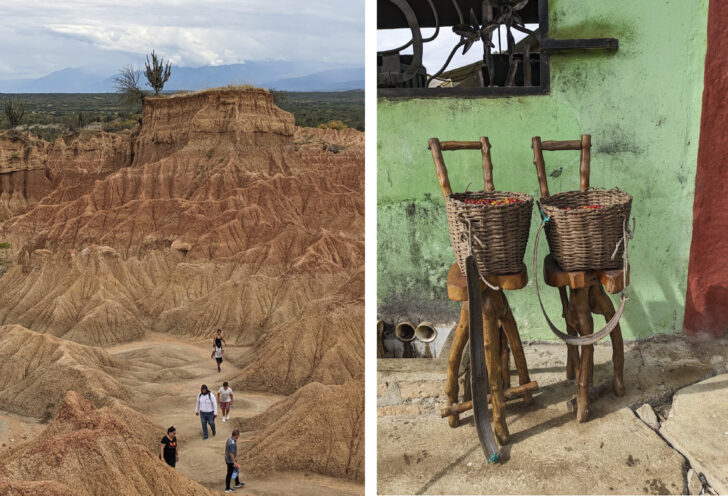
[(426, 332), (405, 331)]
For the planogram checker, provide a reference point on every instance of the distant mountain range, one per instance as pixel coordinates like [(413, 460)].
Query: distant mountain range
[(280, 75)]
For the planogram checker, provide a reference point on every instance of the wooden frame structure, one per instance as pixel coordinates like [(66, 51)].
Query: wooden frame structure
[(586, 296), (500, 330)]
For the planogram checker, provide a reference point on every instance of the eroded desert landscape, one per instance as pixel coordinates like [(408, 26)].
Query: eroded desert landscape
[(128, 250)]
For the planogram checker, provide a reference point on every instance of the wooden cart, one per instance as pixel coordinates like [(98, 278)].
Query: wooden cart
[(586, 296), (500, 331)]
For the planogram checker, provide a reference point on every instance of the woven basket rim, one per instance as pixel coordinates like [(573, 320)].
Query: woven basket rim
[(557, 196), (620, 198), (458, 198)]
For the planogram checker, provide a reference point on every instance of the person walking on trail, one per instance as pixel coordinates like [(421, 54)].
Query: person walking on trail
[(217, 355), (231, 459), (225, 397), (168, 449), (217, 351), (218, 340), (206, 408)]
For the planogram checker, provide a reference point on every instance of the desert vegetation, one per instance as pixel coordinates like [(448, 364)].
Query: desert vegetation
[(157, 72), (14, 111), (45, 113), (126, 84)]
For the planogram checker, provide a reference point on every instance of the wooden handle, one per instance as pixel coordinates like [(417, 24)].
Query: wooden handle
[(437, 147), (540, 165), (447, 146), (561, 145), (508, 394), (487, 164), (584, 161), (440, 169), (583, 144)]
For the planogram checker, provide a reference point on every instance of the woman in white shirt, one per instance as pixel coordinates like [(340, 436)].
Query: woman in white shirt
[(225, 397)]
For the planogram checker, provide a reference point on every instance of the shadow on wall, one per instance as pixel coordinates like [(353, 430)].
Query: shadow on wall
[(640, 312)]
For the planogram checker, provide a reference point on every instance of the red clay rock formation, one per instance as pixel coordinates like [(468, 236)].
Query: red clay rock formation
[(89, 452), (31, 168), (36, 370), (319, 429), (217, 122), (216, 212)]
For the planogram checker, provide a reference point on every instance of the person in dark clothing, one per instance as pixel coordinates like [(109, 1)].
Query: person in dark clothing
[(217, 350), (218, 341), (231, 459), (168, 449)]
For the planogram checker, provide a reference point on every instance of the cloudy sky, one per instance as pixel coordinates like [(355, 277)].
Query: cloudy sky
[(38, 37), (435, 53)]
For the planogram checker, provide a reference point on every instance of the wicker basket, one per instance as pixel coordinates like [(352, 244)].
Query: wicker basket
[(503, 230), (585, 239)]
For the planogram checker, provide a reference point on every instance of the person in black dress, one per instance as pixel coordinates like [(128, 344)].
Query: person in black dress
[(168, 448)]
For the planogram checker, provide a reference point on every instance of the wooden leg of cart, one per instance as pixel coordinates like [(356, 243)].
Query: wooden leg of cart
[(491, 337), (505, 357), (581, 315), (453, 367), (572, 352), (601, 304), (500, 331), (510, 329)]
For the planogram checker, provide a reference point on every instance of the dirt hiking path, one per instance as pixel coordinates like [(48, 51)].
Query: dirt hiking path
[(170, 371)]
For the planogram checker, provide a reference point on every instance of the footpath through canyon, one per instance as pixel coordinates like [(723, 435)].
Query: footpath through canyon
[(128, 250)]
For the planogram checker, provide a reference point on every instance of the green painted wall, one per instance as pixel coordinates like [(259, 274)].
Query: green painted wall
[(641, 105)]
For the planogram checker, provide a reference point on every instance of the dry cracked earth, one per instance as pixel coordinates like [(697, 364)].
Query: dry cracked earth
[(128, 250)]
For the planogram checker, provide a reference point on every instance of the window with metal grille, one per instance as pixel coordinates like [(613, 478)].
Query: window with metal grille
[(484, 47)]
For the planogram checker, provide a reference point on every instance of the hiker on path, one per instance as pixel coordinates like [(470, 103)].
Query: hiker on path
[(206, 408), (217, 355), (225, 397), (218, 340), (231, 459), (168, 448)]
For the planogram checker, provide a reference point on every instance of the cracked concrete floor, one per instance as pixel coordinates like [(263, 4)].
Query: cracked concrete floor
[(550, 453)]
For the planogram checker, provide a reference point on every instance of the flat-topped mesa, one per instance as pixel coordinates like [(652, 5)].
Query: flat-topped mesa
[(215, 124)]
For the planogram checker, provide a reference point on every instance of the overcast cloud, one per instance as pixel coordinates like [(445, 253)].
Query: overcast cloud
[(38, 37)]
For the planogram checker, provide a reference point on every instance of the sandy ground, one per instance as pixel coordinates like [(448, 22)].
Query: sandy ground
[(16, 428), (615, 452), (166, 372), (175, 369)]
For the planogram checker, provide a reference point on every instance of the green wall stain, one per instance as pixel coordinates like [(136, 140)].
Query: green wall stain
[(641, 105)]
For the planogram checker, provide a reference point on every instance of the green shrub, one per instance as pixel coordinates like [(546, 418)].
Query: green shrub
[(49, 134), (338, 125), (14, 111)]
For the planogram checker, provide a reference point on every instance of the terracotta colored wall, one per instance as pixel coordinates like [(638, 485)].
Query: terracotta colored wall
[(706, 308)]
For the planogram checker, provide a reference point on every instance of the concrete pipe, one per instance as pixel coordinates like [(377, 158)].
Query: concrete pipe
[(426, 332), (405, 331)]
